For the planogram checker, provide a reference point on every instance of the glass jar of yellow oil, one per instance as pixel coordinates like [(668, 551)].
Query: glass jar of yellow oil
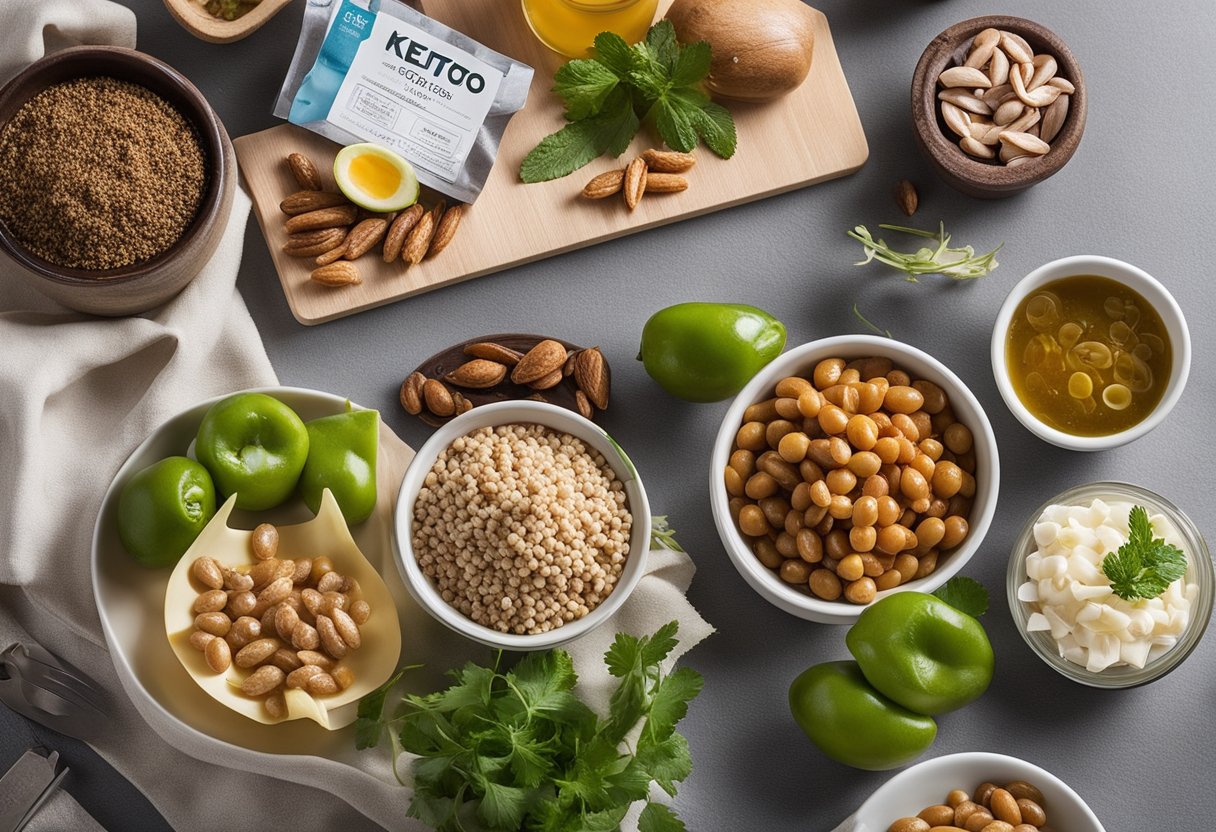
[(570, 26)]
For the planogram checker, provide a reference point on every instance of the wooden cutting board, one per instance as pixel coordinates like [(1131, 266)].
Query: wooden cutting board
[(811, 135)]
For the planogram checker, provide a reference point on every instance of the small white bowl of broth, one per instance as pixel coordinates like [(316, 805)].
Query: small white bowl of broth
[(1090, 353)]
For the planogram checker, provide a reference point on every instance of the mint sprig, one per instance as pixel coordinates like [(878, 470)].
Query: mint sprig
[(1145, 565), (609, 96)]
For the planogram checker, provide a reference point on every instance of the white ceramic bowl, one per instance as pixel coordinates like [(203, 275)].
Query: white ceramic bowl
[(1130, 276), (801, 361), (520, 412), (927, 783)]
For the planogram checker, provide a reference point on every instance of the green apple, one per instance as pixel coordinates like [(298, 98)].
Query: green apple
[(162, 509), (255, 447)]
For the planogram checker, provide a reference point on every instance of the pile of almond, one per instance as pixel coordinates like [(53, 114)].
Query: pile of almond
[(541, 368), (325, 225), (654, 172), (1004, 102)]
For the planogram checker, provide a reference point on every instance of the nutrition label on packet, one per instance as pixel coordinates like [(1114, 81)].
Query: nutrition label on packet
[(416, 94)]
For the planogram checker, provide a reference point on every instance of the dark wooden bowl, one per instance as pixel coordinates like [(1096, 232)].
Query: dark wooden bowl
[(975, 177), (144, 285)]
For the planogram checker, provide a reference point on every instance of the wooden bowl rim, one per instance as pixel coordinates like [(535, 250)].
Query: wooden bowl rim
[(99, 61), (205, 26), (947, 154)]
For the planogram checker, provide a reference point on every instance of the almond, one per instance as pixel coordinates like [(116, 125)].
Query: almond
[(634, 184), (438, 399), (304, 171), (604, 185), (302, 202), (591, 376), (668, 161), (364, 236), (545, 382), (411, 393), (331, 256), (445, 229), (312, 243), (477, 374), (906, 197), (341, 273), (463, 405), (419, 240), (394, 238), (568, 367), (583, 404), (334, 217), (494, 352), (665, 183), (540, 361)]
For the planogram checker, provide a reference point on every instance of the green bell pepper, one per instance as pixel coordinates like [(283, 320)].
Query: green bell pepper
[(162, 509), (854, 724), (342, 458), (921, 652), (706, 352), (255, 447)]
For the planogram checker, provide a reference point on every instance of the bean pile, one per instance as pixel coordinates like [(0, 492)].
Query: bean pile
[(1018, 807), (98, 173), (289, 622), (853, 481), (521, 528)]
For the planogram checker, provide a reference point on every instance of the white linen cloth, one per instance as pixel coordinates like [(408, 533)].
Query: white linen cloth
[(77, 395)]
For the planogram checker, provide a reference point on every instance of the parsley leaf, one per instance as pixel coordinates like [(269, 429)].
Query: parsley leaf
[(505, 751), (967, 595), (1144, 566), (662, 535), (658, 818), (607, 96), (368, 723)]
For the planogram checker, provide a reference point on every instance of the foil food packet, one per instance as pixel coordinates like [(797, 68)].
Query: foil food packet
[(380, 71)]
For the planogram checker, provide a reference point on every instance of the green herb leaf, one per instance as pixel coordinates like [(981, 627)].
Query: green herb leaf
[(662, 536), (953, 262), (604, 96), (614, 53), (965, 594), (1144, 566), (584, 85), (668, 761), (716, 128), (567, 150), (501, 806), (368, 723), (670, 702), (657, 647), (658, 818)]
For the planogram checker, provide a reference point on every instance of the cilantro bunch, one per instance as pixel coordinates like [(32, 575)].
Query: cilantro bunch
[(1144, 566), (520, 751), (609, 96)]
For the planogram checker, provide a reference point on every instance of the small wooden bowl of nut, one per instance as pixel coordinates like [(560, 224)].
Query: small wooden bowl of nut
[(285, 622), (998, 105)]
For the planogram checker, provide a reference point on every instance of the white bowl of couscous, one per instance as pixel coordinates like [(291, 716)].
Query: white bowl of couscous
[(521, 525)]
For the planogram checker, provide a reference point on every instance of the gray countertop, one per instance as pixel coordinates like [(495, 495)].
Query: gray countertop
[(1139, 188)]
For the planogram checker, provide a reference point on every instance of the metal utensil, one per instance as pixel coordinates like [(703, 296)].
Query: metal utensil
[(48, 690), (26, 786)]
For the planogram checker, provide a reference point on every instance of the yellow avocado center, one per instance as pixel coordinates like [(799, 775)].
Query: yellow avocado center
[(376, 177)]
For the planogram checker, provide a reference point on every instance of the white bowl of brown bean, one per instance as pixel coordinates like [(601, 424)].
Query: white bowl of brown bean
[(423, 547), (834, 547), (926, 787), (1130, 282)]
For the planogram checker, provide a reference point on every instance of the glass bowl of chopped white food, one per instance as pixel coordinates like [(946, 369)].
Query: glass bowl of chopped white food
[(1068, 606)]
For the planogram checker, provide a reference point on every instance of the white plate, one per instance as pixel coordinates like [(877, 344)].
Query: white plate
[(130, 603)]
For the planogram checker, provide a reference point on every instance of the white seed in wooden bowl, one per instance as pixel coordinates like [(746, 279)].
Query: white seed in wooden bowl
[(1002, 88)]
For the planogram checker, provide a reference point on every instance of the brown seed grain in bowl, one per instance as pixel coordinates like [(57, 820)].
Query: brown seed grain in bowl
[(522, 528), (852, 480)]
